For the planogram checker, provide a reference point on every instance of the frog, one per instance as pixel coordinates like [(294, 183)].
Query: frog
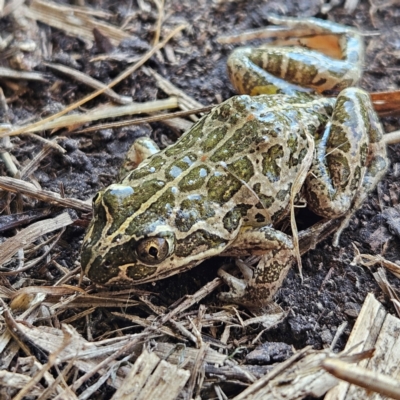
[(225, 185)]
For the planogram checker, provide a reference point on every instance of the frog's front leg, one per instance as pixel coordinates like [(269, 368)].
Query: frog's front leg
[(260, 284), (350, 158), (142, 148), (270, 70)]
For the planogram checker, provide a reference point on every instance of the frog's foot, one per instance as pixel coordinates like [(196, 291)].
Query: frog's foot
[(238, 286), (258, 285)]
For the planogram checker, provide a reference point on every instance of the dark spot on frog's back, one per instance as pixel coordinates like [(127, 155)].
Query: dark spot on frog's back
[(197, 242), (356, 178), (221, 187), (188, 139), (242, 169), (232, 218), (271, 169), (240, 141), (157, 213), (211, 140)]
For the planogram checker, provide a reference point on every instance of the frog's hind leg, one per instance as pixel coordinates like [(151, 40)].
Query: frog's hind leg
[(350, 158), (261, 283), (270, 70)]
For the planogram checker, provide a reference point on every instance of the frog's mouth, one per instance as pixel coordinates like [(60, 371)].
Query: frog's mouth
[(106, 273)]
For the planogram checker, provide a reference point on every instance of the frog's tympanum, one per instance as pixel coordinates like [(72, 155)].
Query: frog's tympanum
[(225, 184)]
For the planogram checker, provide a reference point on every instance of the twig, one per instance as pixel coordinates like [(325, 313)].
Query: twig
[(14, 74), (392, 137), (154, 118), (21, 187), (160, 9)]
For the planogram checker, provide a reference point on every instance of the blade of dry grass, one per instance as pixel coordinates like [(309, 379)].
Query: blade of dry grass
[(28, 75), (89, 81), (138, 121), (108, 111), (185, 101), (75, 21), (22, 187)]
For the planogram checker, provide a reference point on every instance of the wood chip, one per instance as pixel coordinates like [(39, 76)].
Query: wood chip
[(30, 234), (374, 328), (151, 378), (302, 375)]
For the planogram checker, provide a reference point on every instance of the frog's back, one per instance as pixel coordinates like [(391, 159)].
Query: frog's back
[(235, 165)]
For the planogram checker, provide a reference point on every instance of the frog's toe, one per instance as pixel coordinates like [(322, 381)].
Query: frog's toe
[(237, 286), (243, 293)]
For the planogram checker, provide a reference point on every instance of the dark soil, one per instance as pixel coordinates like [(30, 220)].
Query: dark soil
[(333, 289)]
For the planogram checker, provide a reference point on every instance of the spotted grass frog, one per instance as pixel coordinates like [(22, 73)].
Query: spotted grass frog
[(223, 187)]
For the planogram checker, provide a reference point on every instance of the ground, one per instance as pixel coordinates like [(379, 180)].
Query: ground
[(333, 289)]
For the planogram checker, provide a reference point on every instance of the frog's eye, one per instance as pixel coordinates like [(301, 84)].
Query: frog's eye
[(152, 250)]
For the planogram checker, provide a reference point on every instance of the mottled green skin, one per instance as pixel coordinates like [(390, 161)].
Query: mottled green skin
[(238, 155), (221, 188)]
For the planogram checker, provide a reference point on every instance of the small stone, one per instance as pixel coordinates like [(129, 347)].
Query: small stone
[(269, 352)]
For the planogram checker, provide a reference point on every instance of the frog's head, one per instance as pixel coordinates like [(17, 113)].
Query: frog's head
[(133, 238)]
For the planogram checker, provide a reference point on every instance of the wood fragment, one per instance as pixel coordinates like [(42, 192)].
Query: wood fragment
[(160, 10), (370, 380), (386, 103), (30, 234), (392, 137), (102, 112), (368, 260), (40, 374), (11, 221), (374, 328), (151, 378), (13, 380)]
